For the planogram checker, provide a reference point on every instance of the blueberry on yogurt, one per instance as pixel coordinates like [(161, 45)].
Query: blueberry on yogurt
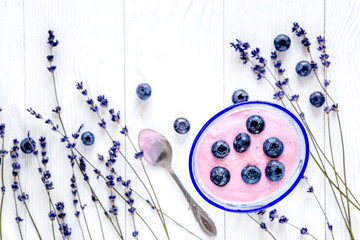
[(273, 147), (220, 149), (275, 170), (242, 142), (251, 174), (255, 124), (220, 176)]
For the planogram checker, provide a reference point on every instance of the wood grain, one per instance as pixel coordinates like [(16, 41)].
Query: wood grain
[(181, 48), (183, 43), (12, 92), (342, 32), (250, 22)]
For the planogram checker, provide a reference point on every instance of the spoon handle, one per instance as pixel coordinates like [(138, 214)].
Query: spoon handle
[(206, 224)]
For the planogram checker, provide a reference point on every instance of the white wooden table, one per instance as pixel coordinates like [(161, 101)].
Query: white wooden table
[(181, 48)]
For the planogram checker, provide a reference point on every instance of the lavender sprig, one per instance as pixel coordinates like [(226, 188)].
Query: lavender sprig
[(53, 43), (22, 197), (311, 190), (75, 203), (273, 214), (73, 183), (324, 59), (64, 229), (15, 186), (45, 178), (242, 49), (94, 200), (3, 152), (262, 226), (322, 49), (114, 210), (112, 178), (300, 32)]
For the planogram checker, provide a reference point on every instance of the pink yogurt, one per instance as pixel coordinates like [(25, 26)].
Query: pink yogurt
[(226, 129)]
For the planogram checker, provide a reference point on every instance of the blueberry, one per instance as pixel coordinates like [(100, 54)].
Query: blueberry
[(317, 99), (220, 176), (220, 149), (27, 145), (240, 96), (275, 170), (143, 91), (255, 124), (303, 68), (181, 125), (242, 142), (273, 147), (87, 138), (251, 174), (282, 42)]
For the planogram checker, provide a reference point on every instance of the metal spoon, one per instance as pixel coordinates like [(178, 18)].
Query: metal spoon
[(157, 151)]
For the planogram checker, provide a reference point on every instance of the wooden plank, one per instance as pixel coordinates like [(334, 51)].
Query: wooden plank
[(182, 50), (90, 50), (259, 22), (341, 34), (176, 47), (12, 96)]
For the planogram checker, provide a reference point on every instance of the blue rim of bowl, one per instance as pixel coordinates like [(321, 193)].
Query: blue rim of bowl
[(227, 110)]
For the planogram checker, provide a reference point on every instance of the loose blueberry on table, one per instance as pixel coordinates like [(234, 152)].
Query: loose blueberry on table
[(242, 142), (181, 125), (273, 147), (317, 99), (275, 170), (27, 145), (282, 42), (240, 96), (255, 124), (251, 174), (303, 68), (87, 138), (220, 176), (143, 91)]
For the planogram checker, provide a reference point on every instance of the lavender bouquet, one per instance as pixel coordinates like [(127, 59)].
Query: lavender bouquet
[(88, 173), (345, 200)]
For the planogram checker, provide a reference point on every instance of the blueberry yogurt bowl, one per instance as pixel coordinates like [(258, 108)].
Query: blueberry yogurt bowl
[(263, 154)]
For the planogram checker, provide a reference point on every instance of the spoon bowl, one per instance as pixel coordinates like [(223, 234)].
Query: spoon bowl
[(157, 149)]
